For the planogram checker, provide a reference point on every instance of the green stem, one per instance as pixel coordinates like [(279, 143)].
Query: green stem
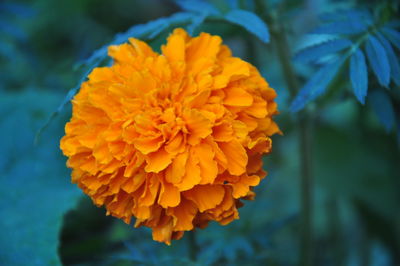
[(281, 44), (193, 247), (305, 148), (335, 236), (307, 233)]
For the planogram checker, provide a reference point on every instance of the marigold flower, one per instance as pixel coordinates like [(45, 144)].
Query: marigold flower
[(174, 139)]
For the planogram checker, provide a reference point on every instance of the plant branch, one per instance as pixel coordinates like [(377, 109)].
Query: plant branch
[(305, 147), (281, 43), (307, 234), (193, 246)]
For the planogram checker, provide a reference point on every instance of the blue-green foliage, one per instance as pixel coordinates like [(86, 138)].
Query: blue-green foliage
[(244, 18), (383, 107), (393, 35), (11, 32), (393, 61), (378, 60), (356, 33), (7, 25), (196, 22), (198, 6), (316, 52), (234, 4), (348, 15), (346, 22), (347, 27), (250, 22), (359, 75), (34, 182), (316, 85)]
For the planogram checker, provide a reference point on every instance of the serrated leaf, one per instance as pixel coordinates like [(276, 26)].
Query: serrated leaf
[(378, 60), (197, 6), (393, 36), (316, 85), (315, 52), (250, 21), (35, 185), (393, 59), (196, 22), (347, 14), (359, 75), (347, 27), (383, 108)]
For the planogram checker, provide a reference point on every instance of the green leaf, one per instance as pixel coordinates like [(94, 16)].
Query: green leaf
[(250, 21), (196, 22), (197, 6), (316, 52), (359, 75), (35, 185), (347, 14), (316, 85), (348, 27), (378, 60), (393, 36), (393, 59), (234, 4), (383, 108)]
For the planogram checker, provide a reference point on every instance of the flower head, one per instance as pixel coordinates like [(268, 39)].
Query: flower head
[(174, 139)]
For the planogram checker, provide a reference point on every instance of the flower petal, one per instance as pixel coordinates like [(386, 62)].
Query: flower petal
[(237, 96), (241, 188), (205, 196), (192, 175), (233, 69), (158, 160), (198, 126), (148, 144), (176, 170), (169, 195), (202, 46), (236, 156), (174, 50), (208, 166), (183, 215)]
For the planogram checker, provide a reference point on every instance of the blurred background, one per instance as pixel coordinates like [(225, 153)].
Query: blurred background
[(46, 220)]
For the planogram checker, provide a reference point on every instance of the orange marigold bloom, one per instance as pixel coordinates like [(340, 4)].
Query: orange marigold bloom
[(174, 139)]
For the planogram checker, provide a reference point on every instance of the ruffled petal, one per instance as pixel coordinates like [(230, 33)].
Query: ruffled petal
[(205, 196), (235, 155), (158, 160)]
